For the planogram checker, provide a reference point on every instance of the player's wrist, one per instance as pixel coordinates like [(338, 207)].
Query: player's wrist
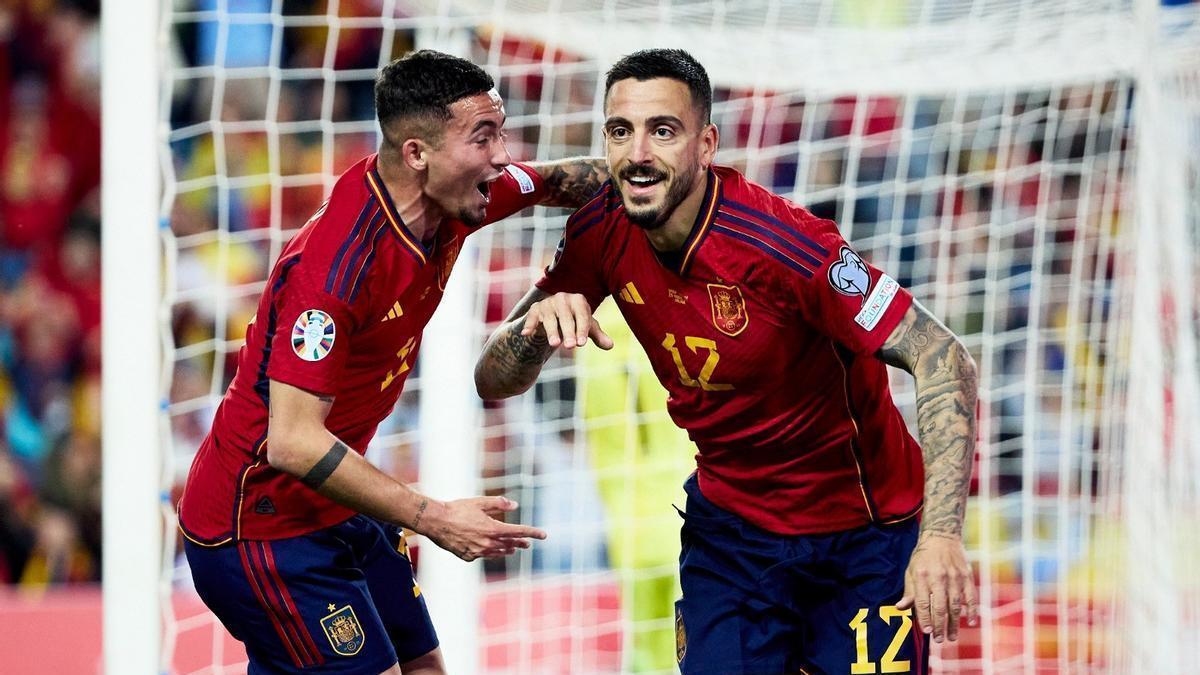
[(428, 513), (940, 534)]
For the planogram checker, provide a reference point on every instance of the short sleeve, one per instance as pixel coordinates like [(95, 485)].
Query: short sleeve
[(575, 267), (312, 332), (517, 188), (847, 298)]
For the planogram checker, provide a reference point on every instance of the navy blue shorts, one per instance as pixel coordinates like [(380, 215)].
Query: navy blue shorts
[(758, 602), (338, 600)]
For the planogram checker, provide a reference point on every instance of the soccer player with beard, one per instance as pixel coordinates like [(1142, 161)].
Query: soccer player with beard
[(814, 523), (293, 538)]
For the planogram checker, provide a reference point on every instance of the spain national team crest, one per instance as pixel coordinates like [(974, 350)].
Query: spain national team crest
[(344, 632), (313, 335), (452, 250), (728, 309)]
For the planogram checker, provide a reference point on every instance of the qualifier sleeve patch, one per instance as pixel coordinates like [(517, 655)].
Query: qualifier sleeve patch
[(523, 179), (313, 335), (877, 302)]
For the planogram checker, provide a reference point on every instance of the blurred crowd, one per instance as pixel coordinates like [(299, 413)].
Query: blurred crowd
[(49, 292)]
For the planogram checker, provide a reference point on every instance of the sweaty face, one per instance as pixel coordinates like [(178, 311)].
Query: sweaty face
[(655, 146), (469, 158)]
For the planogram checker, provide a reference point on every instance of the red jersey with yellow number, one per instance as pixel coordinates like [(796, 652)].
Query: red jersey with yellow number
[(764, 330), (341, 316)]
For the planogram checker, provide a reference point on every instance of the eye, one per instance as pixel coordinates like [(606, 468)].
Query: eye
[(618, 133), (664, 132)]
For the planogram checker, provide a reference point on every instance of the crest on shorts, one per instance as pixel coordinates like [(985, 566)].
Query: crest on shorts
[(452, 250), (680, 637), (728, 309), (313, 335), (344, 632), (849, 276)]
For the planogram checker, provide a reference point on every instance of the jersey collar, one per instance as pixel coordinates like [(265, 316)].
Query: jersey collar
[(704, 219), (377, 188)]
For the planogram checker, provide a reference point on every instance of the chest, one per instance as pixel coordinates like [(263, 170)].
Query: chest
[(402, 299), (720, 327)]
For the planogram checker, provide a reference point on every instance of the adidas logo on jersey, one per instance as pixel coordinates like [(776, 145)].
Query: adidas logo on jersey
[(629, 293), (396, 312)]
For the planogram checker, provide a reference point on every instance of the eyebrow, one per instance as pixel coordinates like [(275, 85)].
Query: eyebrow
[(484, 123), (650, 121)]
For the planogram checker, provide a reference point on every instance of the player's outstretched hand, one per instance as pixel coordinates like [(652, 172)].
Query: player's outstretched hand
[(939, 583), (469, 529), (567, 320)]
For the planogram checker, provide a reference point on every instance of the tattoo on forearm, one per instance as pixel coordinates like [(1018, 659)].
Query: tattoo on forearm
[(512, 361), (420, 512), (572, 183), (947, 383), (323, 469)]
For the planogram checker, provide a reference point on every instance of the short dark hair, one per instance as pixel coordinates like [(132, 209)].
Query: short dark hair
[(674, 64), (421, 85)]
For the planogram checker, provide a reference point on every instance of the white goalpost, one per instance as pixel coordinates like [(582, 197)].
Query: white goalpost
[(132, 448), (1030, 169)]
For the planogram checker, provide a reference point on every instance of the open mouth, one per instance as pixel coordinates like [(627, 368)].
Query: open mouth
[(485, 189), (644, 181)]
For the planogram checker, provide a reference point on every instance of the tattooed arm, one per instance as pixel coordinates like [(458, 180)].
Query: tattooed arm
[(516, 352), (571, 182), (938, 580)]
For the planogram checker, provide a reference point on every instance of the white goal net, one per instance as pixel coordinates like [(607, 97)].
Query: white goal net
[(1031, 170)]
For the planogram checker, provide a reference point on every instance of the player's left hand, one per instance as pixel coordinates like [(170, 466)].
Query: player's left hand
[(939, 583)]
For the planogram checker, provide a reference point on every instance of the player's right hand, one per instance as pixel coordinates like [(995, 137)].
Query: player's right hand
[(468, 529), (566, 319)]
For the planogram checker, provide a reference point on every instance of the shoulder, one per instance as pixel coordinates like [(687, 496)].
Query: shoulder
[(599, 214), (347, 208), (339, 242), (772, 226)]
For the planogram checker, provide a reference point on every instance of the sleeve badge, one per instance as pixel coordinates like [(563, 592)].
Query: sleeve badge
[(313, 335), (849, 276)]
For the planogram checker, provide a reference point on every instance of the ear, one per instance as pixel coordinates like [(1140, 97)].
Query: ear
[(709, 139), (413, 152)]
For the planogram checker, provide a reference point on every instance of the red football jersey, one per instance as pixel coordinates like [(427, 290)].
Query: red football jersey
[(342, 315), (763, 329)]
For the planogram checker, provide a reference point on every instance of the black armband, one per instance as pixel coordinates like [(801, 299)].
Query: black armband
[(323, 469)]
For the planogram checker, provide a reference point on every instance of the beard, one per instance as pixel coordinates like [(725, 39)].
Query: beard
[(470, 217), (654, 217)]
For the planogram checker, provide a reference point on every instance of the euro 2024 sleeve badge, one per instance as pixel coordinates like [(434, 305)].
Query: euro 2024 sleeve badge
[(313, 335), (343, 630)]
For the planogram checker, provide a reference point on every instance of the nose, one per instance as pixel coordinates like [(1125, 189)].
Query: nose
[(500, 156), (640, 153)]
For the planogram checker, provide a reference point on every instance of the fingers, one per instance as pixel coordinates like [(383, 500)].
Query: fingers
[(497, 547), (954, 608), (940, 607), (921, 602), (496, 505), (909, 594), (972, 598), (566, 318), (598, 336), (518, 531)]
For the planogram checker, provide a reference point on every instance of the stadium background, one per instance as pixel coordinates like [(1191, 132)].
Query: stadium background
[(50, 501)]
